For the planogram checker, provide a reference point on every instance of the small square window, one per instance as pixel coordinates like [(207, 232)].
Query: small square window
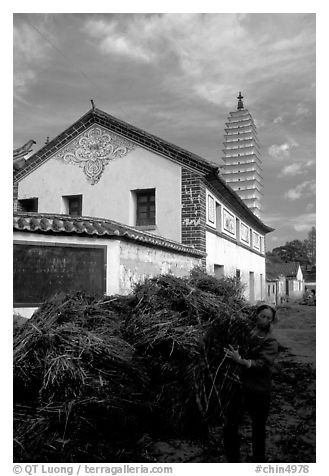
[(73, 205), (28, 205)]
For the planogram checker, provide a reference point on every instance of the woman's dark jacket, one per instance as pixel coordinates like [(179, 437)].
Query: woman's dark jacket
[(262, 353)]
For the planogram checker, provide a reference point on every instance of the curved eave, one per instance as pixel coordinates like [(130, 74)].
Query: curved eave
[(48, 223)]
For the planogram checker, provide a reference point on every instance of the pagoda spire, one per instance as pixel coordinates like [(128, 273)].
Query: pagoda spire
[(242, 168), (240, 102)]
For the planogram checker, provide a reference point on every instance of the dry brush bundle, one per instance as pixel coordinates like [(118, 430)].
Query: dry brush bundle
[(94, 370), (79, 378), (181, 327)]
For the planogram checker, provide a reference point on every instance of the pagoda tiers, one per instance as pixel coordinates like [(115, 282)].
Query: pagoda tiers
[(242, 168)]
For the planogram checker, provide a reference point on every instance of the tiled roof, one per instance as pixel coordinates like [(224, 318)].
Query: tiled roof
[(148, 141), (88, 226), (274, 270), (271, 275)]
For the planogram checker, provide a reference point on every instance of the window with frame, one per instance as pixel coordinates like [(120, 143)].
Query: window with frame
[(218, 217), (145, 207), (73, 205), (28, 205)]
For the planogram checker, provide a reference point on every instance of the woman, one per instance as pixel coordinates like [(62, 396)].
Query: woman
[(256, 386)]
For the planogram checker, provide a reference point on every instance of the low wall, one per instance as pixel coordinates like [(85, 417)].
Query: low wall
[(125, 262), (140, 262)]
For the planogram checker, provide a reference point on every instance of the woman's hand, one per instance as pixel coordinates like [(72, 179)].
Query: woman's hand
[(236, 357), (233, 354)]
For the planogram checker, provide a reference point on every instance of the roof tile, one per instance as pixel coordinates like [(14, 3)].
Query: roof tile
[(274, 270), (54, 223)]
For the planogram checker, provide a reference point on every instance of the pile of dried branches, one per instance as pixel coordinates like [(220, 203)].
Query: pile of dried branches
[(91, 374), (181, 328), (78, 387)]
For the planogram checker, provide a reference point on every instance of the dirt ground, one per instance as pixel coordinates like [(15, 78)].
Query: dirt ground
[(291, 425)]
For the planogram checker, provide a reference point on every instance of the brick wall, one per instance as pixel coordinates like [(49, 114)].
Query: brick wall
[(15, 197), (193, 211)]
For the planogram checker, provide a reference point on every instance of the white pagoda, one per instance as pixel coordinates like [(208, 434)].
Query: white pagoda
[(242, 168)]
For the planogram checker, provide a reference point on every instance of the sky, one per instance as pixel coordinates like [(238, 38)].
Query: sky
[(177, 75)]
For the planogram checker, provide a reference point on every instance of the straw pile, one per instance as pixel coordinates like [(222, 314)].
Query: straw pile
[(92, 374), (76, 382), (181, 327)]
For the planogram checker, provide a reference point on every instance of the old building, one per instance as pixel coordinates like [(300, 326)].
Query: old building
[(284, 281), (309, 272), (103, 170)]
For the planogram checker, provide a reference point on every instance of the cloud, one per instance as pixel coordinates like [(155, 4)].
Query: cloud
[(297, 168), (206, 48), (309, 207), (301, 110), (30, 56), (304, 222), (278, 120), (292, 170), (303, 189), (282, 151), (111, 39), (190, 42)]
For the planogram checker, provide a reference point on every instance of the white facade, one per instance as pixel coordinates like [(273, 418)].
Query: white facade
[(113, 195), (240, 256), (228, 258)]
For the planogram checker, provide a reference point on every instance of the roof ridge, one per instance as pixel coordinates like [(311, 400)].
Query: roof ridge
[(182, 149)]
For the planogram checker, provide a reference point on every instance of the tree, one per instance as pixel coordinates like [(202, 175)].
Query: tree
[(272, 257), (295, 250), (311, 245), (302, 251)]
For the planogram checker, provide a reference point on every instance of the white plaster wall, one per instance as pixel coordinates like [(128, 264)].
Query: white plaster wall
[(299, 275), (111, 197), (139, 262), (232, 256), (296, 289)]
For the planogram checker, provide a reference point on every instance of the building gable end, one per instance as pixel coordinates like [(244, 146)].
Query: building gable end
[(127, 132)]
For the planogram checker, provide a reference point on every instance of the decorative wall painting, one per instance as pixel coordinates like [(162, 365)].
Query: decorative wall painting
[(228, 222), (244, 233), (256, 240), (211, 209)]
